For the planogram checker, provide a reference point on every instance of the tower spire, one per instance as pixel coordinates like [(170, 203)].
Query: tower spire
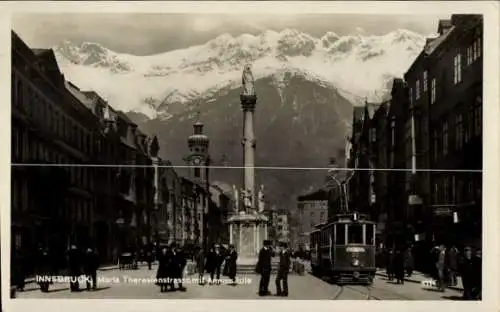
[(197, 114)]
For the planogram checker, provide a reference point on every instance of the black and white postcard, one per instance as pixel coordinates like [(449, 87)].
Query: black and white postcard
[(336, 152)]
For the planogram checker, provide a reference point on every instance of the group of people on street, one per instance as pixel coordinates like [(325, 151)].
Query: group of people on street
[(447, 264), (399, 262), (80, 262), (172, 262), (264, 268), (212, 261), (450, 263), (86, 262)]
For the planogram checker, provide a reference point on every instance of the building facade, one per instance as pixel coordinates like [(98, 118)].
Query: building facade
[(220, 206), (433, 120), (49, 126), (312, 210), (447, 96), (283, 227), (109, 188)]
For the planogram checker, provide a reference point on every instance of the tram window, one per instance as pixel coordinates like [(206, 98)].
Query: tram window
[(340, 233), (369, 234), (355, 234)]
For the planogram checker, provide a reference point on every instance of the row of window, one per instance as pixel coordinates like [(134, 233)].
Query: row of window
[(75, 209), (466, 125), (342, 234), (26, 147), (39, 107), (473, 53), (455, 190)]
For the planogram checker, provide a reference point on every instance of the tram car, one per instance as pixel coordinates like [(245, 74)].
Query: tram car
[(345, 249)]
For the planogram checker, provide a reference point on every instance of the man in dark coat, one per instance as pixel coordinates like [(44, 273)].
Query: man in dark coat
[(178, 263), (409, 261), (230, 266), (162, 275), (91, 265), (18, 270), (441, 267), (44, 268), (200, 265), (283, 269), (264, 268), (390, 263), (149, 256), (467, 271), (399, 266), (74, 266), (215, 262), (477, 264), (452, 264)]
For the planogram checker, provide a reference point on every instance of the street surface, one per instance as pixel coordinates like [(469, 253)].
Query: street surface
[(135, 284)]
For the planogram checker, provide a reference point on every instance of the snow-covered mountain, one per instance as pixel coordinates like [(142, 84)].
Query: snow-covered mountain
[(357, 66)]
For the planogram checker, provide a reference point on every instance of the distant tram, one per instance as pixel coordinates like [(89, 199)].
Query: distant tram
[(345, 249)]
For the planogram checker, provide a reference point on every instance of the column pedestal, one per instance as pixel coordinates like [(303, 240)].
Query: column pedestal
[(247, 228)]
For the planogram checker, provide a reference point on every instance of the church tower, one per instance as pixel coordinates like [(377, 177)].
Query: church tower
[(198, 158)]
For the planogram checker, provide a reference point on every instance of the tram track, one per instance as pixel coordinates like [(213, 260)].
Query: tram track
[(366, 290), (367, 294)]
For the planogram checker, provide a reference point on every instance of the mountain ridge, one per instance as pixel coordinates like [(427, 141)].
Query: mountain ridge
[(358, 66)]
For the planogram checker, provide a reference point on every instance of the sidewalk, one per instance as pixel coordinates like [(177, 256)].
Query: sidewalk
[(418, 277)]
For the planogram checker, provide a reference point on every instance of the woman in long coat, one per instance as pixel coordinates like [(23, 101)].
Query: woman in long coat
[(200, 265), (162, 273), (399, 266), (230, 265), (409, 262)]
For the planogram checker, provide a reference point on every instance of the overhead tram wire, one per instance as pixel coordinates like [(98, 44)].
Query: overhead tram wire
[(243, 167)]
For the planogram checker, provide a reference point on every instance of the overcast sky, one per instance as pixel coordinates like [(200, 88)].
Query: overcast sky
[(143, 34)]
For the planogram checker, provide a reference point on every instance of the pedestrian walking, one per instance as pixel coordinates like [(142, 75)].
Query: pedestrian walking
[(452, 265), (200, 265), (399, 267), (264, 268), (44, 268), (477, 269), (215, 263), (177, 263), (162, 275), (409, 261), (230, 264), (18, 270), (74, 267), (441, 266), (390, 264), (91, 265), (181, 261), (149, 256), (283, 269), (467, 272)]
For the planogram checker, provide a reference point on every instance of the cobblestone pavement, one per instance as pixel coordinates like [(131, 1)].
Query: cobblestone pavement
[(139, 284)]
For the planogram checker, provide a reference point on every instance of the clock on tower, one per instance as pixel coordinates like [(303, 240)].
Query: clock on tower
[(197, 157)]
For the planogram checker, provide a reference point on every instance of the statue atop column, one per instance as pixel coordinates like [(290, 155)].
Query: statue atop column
[(248, 81)]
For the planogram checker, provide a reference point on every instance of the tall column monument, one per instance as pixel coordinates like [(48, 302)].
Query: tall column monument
[(248, 100), (248, 227)]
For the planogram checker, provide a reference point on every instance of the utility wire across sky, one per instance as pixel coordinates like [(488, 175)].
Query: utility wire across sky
[(243, 167)]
